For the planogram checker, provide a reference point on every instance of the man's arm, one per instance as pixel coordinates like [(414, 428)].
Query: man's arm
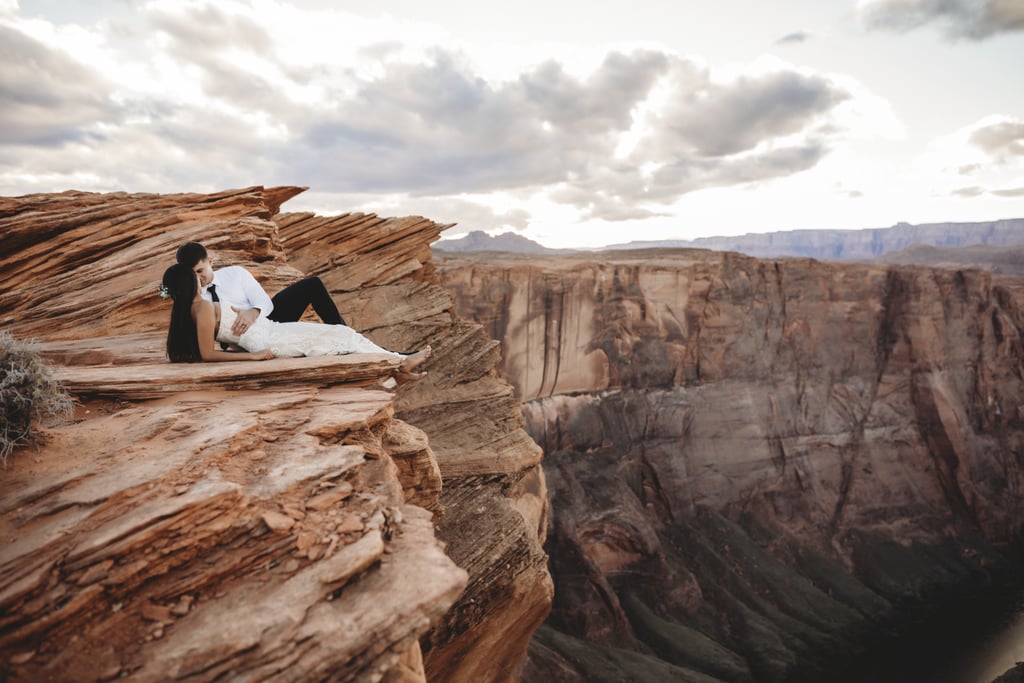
[(254, 294), (260, 305)]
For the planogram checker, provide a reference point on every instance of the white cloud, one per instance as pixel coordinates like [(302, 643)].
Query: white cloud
[(1001, 137), (716, 119)]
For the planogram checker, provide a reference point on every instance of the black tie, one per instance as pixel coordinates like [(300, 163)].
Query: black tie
[(212, 289)]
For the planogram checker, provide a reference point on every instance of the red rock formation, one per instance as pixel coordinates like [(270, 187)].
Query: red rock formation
[(264, 520), (752, 461)]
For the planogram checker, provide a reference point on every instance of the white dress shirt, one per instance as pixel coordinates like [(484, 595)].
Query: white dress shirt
[(236, 286)]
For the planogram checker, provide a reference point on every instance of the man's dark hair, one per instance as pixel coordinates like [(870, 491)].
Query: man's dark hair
[(191, 253)]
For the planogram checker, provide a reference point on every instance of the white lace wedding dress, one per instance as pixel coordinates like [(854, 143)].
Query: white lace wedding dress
[(297, 339)]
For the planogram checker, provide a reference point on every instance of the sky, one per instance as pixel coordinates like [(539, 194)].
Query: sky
[(576, 123)]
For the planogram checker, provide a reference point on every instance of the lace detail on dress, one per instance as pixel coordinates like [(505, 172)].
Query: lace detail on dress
[(297, 339)]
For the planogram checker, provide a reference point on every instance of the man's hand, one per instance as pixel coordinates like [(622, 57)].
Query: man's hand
[(244, 320)]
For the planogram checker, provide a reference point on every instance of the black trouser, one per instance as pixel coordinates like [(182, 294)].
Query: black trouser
[(291, 302)]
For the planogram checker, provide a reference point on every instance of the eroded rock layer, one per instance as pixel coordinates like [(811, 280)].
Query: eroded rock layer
[(754, 464), (274, 520)]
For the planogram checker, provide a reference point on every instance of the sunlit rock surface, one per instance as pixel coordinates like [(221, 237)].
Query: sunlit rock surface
[(282, 520), (754, 464)]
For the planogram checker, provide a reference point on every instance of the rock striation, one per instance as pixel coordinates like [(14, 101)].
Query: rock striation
[(755, 465), (283, 520)]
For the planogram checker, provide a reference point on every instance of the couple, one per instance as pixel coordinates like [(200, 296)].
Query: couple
[(230, 308)]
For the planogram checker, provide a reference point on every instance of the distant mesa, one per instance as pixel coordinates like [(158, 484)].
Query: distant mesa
[(901, 243), (507, 242), (853, 245)]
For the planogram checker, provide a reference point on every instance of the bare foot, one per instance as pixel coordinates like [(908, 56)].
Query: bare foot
[(412, 361), (407, 377)]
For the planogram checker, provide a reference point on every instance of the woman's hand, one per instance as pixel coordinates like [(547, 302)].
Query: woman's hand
[(265, 354)]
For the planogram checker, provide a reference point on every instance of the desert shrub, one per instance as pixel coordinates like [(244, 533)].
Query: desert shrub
[(28, 393)]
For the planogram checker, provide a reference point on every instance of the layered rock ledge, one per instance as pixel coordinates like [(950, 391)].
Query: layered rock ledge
[(285, 520)]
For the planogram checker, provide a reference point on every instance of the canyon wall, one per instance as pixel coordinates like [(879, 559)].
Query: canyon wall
[(754, 465), (293, 519)]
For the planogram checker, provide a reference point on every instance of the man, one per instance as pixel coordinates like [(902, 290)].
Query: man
[(237, 287)]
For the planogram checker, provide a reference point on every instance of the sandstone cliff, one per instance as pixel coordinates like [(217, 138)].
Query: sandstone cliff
[(754, 464), (286, 520)]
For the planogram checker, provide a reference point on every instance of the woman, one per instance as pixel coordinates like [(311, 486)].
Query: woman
[(198, 325)]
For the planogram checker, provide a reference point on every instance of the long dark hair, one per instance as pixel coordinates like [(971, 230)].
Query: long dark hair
[(182, 338)]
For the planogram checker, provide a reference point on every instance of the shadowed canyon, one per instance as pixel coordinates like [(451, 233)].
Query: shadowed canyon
[(756, 467)]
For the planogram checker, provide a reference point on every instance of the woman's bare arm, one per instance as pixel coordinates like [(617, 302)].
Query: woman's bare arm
[(206, 321)]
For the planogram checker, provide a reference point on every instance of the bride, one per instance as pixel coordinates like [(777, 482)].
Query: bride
[(198, 325)]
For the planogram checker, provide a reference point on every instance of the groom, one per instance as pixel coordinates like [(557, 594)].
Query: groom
[(236, 286)]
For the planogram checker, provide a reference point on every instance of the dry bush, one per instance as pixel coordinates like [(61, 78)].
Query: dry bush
[(28, 393)]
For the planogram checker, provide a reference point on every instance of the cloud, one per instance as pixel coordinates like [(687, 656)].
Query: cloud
[(46, 97), (197, 30), (975, 191), (975, 160), (715, 133), (620, 192), (968, 192), (1001, 140), (970, 19), (721, 119), (438, 127), (614, 197), (467, 213), (795, 37), (775, 163)]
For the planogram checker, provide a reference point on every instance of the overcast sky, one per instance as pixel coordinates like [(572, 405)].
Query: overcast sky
[(572, 122)]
